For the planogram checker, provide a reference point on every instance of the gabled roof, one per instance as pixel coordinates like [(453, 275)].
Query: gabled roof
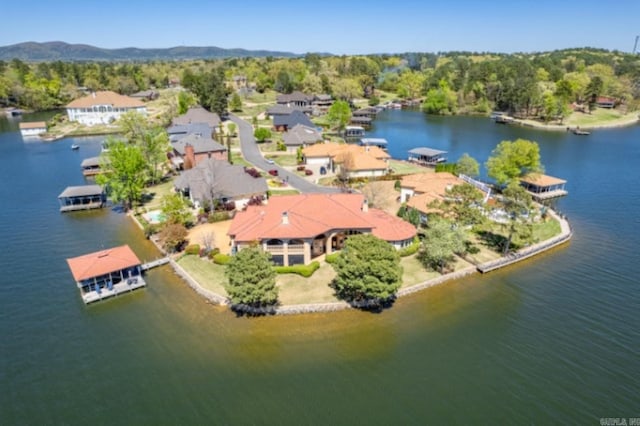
[(198, 115), (179, 131), (33, 125), (542, 180), (296, 96), (339, 151), (301, 135), (224, 179), (105, 97), (81, 191), (428, 187), (290, 120), (283, 109), (201, 144), (102, 262), (427, 152), (90, 162), (310, 215)]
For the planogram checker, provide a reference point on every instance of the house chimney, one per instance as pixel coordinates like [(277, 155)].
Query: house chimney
[(285, 218), (365, 206), (189, 155)]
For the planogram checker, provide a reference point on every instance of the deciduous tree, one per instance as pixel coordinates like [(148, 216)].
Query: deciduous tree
[(511, 160), (124, 172), (468, 166), (518, 205), (442, 240), (339, 115)]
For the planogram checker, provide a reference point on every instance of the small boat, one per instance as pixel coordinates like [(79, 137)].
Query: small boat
[(580, 132), (75, 146)]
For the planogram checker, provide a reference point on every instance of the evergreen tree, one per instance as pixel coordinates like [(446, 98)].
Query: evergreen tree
[(251, 280)]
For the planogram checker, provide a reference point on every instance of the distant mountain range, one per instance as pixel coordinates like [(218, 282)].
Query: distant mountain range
[(58, 50)]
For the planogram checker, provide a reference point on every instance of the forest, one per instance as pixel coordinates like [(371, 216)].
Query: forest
[(543, 85)]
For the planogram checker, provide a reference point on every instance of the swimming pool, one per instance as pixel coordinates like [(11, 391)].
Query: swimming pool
[(154, 217)]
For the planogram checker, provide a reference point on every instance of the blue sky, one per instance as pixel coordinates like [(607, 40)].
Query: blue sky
[(339, 27)]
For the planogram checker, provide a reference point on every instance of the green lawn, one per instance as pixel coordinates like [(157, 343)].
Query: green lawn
[(269, 96), (239, 160), (205, 272), (413, 272), (406, 168), (545, 230), (157, 192), (294, 289), (597, 117), (284, 159)]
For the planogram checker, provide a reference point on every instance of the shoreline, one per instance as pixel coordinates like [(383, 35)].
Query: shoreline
[(307, 308), (622, 122)]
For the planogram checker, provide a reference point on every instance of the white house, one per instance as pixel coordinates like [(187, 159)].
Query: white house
[(102, 108)]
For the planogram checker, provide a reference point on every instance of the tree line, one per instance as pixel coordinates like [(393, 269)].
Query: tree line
[(533, 84)]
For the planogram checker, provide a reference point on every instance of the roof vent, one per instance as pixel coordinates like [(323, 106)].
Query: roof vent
[(285, 218)]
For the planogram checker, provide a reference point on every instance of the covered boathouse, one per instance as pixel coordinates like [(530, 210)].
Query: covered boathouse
[(543, 187), (427, 156), (106, 273), (83, 197)]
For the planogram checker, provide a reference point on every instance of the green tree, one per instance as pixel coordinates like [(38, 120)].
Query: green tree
[(441, 101), (468, 166), (368, 269), (236, 103), (154, 146), (518, 205), (511, 160), (261, 134), (185, 101), (124, 172), (134, 126), (441, 241), (232, 129), (593, 90), (410, 84), (251, 280), (339, 115), (462, 204), (176, 209)]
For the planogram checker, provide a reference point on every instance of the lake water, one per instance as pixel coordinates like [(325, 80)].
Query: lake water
[(555, 339)]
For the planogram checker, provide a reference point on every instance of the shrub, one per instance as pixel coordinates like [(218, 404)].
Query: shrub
[(221, 259), (447, 167), (410, 249), (302, 270), (331, 258), (213, 253), (192, 249), (218, 216)]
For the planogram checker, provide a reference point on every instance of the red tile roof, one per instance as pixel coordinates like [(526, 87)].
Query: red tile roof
[(310, 215), (106, 97), (102, 262)]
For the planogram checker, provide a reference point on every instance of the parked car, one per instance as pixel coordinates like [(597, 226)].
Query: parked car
[(308, 172), (273, 172), (270, 161)]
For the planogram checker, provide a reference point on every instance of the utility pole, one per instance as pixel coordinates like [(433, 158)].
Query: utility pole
[(635, 45)]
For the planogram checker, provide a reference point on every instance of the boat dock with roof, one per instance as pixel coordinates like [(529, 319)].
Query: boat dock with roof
[(427, 156), (379, 142), (83, 197)]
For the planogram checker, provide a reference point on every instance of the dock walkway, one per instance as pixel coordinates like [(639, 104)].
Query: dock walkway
[(154, 263), (121, 287)]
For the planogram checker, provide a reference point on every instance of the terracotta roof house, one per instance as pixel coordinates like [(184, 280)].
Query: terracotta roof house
[(282, 123), (106, 273), (352, 160), (102, 108), (295, 229), (300, 136), (543, 187), (296, 98), (420, 189), (214, 180), (198, 115), (193, 148)]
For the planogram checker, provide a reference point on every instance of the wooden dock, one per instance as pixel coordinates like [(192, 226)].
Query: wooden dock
[(154, 263), (125, 286)]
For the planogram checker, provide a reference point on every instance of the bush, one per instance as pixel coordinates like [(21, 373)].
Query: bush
[(192, 249), (221, 259), (331, 258), (213, 253), (302, 270), (218, 216), (447, 167), (411, 249)]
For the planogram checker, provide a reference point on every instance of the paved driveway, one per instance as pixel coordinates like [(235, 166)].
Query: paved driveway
[(252, 154)]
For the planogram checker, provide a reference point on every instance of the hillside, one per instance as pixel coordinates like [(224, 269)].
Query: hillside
[(57, 50)]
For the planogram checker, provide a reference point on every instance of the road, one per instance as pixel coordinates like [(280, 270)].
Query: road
[(252, 154)]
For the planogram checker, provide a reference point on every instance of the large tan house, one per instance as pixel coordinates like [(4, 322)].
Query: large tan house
[(352, 161), (421, 189), (102, 108), (295, 229)]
